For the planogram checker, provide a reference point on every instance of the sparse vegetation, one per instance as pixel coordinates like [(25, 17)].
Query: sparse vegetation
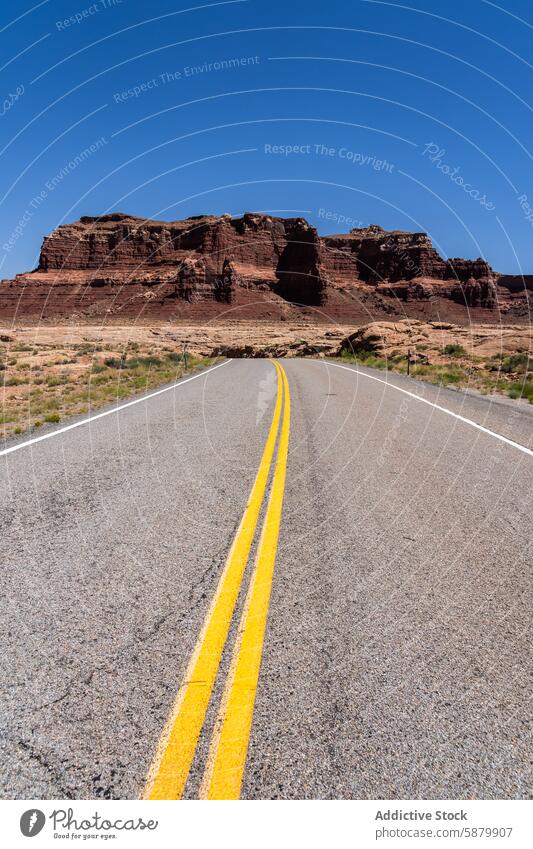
[(516, 364), (447, 377), (87, 348), (56, 379), (44, 383), (73, 379), (522, 390), (367, 358), (490, 376), (455, 350)]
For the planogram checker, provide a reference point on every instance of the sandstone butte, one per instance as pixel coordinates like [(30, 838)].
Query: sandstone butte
[(119, 267)]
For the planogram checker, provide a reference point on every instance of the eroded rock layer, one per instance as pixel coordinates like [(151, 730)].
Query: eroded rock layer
[(257, 266)]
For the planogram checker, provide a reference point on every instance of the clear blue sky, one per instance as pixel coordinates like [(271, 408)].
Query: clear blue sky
[(361, 89)]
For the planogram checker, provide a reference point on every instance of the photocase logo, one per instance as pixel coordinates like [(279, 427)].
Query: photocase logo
[(32, 822)]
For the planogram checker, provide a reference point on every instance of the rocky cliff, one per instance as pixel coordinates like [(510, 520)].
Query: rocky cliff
[(257, 266)]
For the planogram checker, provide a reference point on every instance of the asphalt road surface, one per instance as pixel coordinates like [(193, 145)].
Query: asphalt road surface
[(375, 646)]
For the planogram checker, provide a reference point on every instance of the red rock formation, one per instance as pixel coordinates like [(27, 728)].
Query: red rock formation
[(258, 266), (378, 255)]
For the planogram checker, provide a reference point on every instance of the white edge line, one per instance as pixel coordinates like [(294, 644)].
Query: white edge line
[(438, 407), (175, 385)]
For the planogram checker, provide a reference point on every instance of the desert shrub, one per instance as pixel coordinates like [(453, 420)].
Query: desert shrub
[(454, 350), (522, 390), (52, 418), (86, 348), (134, 362), (56, 379), (149, 361), (515, 364)]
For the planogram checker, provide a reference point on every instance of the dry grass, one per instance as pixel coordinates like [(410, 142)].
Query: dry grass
[(505, 375), (44, 383)]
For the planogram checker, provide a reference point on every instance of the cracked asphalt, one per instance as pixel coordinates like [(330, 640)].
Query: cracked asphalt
[(396, 658)]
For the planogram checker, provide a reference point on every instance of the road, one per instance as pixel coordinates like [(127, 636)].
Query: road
[(382, 651)]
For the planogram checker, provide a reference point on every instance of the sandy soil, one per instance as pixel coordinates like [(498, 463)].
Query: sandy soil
[(276, 339)]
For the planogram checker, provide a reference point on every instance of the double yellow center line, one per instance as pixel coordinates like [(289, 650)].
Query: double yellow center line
[(229, 744)]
